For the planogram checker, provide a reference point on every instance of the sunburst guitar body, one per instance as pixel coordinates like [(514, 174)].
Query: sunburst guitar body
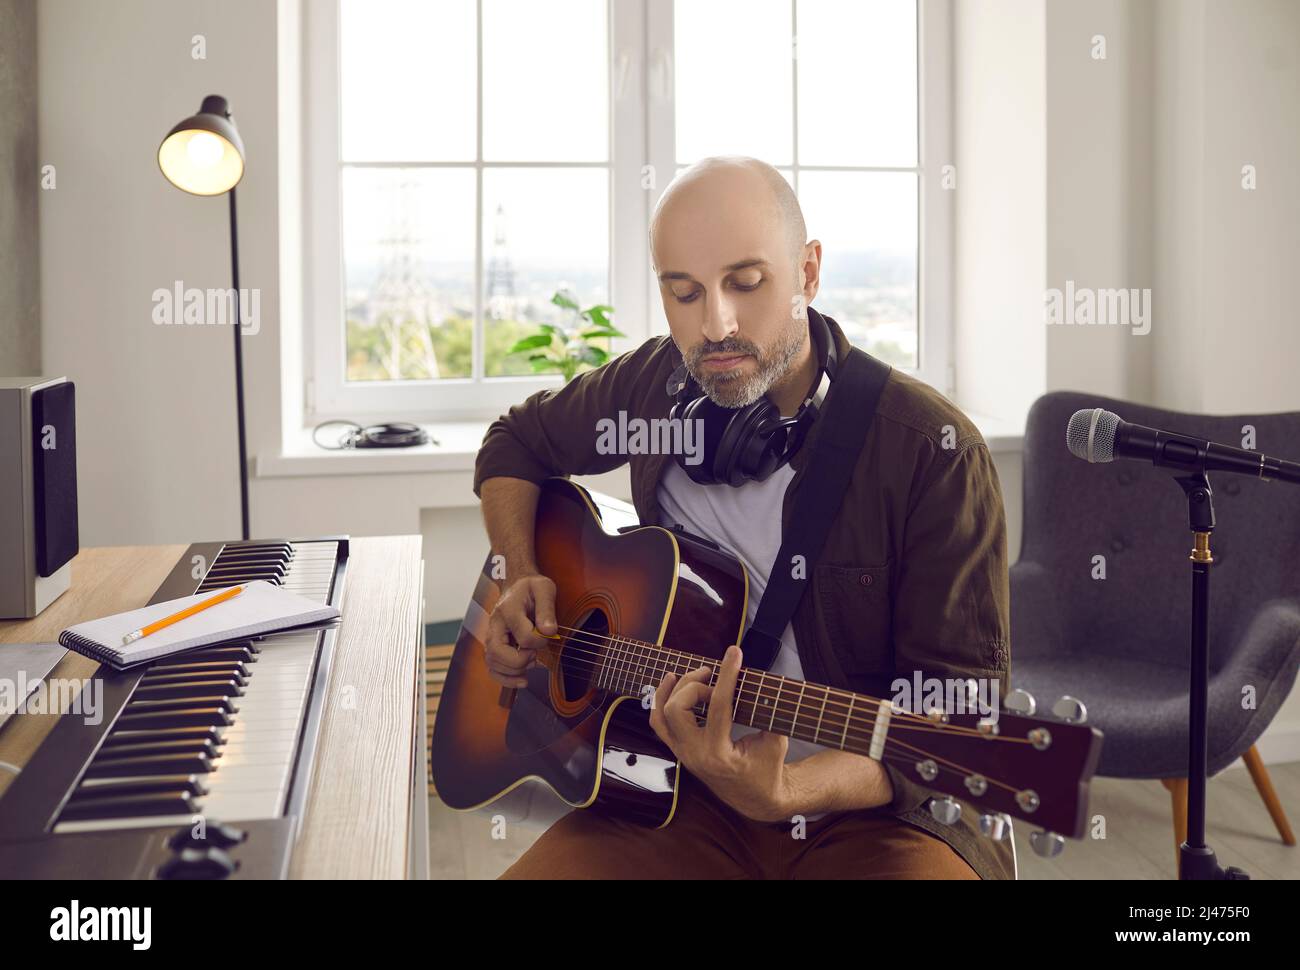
[(589, 744)]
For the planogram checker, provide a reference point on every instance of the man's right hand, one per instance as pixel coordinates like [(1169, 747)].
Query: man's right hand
[(512, 645)]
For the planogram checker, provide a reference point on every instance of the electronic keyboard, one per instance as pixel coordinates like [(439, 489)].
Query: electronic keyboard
[(200, 765)]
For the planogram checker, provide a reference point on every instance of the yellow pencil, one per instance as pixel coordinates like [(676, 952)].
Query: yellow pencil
[(167, 621)]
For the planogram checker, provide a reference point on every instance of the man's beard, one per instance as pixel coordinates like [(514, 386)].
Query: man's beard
[(733, 389)]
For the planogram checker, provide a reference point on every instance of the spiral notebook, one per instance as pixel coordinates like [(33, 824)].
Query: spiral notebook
[(259, 610)]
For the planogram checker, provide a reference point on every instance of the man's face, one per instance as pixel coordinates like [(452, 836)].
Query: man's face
[(729, 290)]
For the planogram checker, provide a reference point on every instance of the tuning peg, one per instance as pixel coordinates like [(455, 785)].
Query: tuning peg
[(1070, 709), (1046, 844), (945, 811), (1021, 702)]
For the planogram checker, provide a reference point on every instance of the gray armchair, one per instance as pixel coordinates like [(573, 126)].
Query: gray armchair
[(1120, 643)]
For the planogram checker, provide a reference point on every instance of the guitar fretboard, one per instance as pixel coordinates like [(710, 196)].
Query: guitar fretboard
[(826, 716)]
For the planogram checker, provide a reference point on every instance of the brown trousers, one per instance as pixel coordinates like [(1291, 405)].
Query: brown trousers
[(708, 840)]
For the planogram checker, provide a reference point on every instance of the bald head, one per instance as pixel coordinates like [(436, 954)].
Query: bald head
[(736, 270), (713, 187)]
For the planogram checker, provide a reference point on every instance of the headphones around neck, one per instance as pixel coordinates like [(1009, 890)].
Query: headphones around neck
[(748, 444)]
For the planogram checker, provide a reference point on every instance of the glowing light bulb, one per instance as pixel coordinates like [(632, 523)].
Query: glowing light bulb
[(204, 149)]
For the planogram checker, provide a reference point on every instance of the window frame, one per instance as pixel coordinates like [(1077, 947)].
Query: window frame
[(641, 126)]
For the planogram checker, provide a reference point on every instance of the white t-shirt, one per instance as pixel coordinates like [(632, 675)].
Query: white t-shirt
[(746, 522)]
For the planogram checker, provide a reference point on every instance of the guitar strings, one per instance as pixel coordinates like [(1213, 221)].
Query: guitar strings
[(693, 661), (864, 703), (792, 714), (930, 727), (922, 725), (907, 758)]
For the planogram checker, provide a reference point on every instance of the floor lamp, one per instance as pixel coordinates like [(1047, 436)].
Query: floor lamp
[(203, 155)]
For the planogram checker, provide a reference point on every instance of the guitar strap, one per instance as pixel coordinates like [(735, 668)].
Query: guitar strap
[(850, 407)]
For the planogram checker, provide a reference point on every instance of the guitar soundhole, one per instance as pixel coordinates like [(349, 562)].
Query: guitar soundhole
[(582, 655)]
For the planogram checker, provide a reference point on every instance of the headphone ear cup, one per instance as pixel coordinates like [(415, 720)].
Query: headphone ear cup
[(712, 422), (734, 455), (759, 454)]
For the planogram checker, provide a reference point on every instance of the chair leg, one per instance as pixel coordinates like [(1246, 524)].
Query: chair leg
[(1178, 802), (1259, 774)]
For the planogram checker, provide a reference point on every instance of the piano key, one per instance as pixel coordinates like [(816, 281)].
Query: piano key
[(144, 704), (153, 804), (155, 680), (246, 652), (120, 736), (189, 746), (188, 688), (154, 764), (101, 787), (193, 717), (211, 666), (244, 805)]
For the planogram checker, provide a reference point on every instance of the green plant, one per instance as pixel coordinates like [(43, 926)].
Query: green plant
[(567, 348)]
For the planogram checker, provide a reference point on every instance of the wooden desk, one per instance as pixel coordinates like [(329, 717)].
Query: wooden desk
[(366, 807)]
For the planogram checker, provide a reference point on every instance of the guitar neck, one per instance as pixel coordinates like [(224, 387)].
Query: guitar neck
[(826, 716)]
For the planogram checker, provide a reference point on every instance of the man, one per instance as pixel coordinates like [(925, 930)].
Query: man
[(912, 578)]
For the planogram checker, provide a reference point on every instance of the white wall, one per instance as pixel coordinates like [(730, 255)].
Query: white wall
[(156, 435), (999, 217), (1099, 175)]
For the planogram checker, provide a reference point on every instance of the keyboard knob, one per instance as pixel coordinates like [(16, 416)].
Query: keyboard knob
[(209, 863), (217, 834)]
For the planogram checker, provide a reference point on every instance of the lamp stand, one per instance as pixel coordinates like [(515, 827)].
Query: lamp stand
[(239, 372)]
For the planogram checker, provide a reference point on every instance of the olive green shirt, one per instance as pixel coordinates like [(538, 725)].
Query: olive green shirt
[(913, 576)]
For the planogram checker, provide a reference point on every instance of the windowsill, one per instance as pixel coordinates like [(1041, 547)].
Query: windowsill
[(458, 443)]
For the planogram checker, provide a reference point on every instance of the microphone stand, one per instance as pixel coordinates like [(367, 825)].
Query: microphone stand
[(1196, 860)]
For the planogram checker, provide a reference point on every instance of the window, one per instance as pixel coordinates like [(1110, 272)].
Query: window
[(470, 158)]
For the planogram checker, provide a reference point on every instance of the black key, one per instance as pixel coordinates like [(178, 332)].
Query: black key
[(105, 787), (189, 688), (204, 746), (240, 653), (234, 575), (127, 806), (199, 667), (153, 764), (120, 736), (174, 676), (250, 547), (144, 705), (190, 717)]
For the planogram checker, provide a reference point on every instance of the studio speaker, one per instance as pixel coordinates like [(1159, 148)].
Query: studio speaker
[(38, 492)]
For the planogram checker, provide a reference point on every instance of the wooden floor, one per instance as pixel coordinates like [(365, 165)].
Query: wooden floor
[(1139, 841)]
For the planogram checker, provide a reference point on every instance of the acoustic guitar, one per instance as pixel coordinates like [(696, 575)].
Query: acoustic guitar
[(635, 605)]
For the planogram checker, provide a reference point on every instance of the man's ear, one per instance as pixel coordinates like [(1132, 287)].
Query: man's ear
[(810, 270)]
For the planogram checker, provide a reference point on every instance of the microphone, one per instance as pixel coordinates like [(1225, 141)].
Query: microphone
[(1097, 435)]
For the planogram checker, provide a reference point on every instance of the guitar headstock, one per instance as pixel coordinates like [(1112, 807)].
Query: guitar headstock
[(1031, 767)]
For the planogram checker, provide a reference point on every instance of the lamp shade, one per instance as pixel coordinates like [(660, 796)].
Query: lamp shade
[(204, 154)]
